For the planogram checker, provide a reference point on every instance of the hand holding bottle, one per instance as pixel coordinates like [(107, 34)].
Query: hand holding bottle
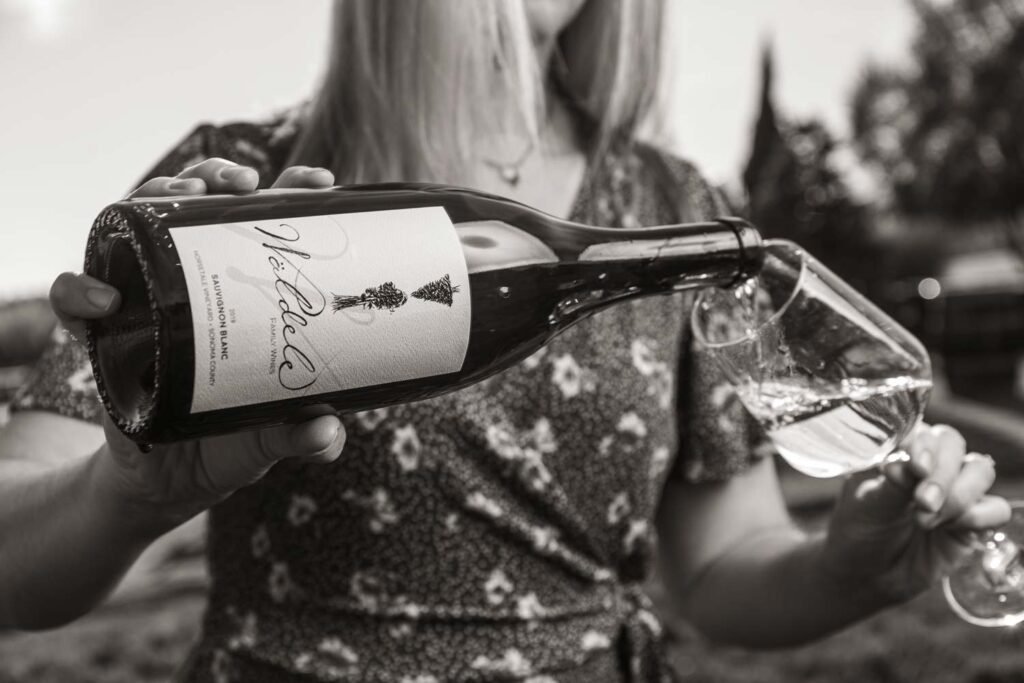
[(173, 482)]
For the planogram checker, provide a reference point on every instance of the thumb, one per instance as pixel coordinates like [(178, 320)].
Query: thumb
[(883, 496), (320, 438), (77, 297)]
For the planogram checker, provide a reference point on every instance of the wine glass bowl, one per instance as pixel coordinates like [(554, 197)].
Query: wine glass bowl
[(834, 381)]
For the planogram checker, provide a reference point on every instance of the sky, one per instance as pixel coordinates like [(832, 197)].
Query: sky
[(95, 91)]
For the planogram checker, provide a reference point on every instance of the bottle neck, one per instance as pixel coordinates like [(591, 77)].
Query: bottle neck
[(657, 261), (676, 257)]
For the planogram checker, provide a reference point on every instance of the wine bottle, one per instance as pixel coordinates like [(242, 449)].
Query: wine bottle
[(240, 310)]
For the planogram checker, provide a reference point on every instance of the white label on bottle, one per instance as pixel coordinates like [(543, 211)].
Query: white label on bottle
[(319, 304)]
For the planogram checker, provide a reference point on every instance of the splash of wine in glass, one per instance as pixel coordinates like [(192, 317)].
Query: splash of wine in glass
[(835, 383)]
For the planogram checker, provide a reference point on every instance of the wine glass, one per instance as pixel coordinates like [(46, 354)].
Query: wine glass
[(837, 385)]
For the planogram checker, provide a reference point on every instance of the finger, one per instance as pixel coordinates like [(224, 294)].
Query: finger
[(317, 410), (920, 446), (899, 470), (75, 297), (988, 513), (947, 449), (221, 175), (305, 177), (169, 187), (319, 438), (976, 477), (908, 440)]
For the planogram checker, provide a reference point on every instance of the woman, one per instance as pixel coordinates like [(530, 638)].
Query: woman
[(501, 532)]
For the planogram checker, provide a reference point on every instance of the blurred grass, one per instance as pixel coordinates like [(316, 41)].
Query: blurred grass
[(921, 641), (25, 328), (146, 642)]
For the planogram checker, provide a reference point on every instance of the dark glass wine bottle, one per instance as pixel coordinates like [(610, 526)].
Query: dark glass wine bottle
[(239, 310)]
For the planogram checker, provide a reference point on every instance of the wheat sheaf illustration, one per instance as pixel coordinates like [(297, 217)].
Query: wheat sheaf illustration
[(387, 297)]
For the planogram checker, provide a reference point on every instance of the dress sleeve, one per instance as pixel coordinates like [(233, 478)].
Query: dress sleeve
[(61, 382), (262, 146), (718, 438)]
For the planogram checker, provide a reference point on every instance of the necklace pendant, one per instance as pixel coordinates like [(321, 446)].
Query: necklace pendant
[(510, 175)]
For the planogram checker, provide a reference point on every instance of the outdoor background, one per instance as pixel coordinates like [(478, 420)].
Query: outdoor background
[(886, 136)]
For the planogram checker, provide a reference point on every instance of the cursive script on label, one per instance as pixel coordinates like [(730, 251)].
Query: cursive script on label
[(299, 299)]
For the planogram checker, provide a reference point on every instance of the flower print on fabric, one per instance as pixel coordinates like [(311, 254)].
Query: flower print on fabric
[(497, 587), (369, 420), (481, 503), (618, 508), (570, 378), (82, 380), (260, 542), (279, 583), (643, 357), (632, 424), (301, 510), (407, 448), (221, 667), (339, 650), (511, 663), (660, 457), (528, 607), (658, 372), (247, 632), (379, 506), (525, 449), (533, 361)]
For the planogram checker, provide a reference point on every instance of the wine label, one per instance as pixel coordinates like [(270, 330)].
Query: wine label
[(319, 304)]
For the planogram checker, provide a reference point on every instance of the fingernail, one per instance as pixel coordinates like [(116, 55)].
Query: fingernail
[(187, 184), (234, 173), (329, 437), (318, 173), (931, 496), (99, 297)]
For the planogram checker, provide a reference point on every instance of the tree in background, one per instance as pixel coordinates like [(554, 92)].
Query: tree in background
[(947, 133), (796, 191)]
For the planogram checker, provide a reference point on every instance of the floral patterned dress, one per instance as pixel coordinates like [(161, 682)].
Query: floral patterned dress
[(499, 533)]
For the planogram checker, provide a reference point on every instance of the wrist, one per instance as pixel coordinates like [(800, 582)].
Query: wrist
[(870, 583)]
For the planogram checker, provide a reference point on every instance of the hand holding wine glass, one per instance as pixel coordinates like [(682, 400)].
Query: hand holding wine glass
[(898, 529), (171, 483), (837, 386)]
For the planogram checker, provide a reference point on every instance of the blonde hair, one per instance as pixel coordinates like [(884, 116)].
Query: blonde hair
[(411, 84)]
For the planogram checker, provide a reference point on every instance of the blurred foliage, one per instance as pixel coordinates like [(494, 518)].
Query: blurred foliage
[(796, 190), (25, 328), (947, 132)]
